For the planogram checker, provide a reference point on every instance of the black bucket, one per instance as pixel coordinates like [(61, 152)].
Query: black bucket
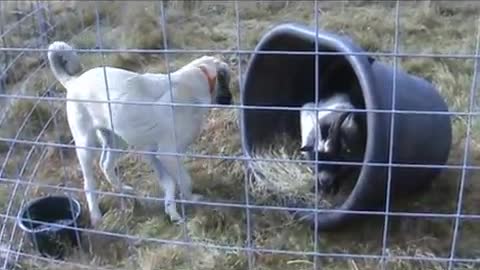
[(288, 80), (52, 240)]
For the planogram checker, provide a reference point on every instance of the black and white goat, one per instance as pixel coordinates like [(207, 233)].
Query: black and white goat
[(204, 80), (339, 138)]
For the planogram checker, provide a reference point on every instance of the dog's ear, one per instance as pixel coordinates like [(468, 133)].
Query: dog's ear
[(211, 75), (209, 70)]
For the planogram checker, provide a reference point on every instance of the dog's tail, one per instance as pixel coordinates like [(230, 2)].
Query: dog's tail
[(64, 61)]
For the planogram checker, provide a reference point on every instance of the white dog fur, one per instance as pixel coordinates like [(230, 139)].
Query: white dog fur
[(145, 127)]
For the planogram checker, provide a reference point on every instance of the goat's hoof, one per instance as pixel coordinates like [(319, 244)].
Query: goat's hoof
[(330, 192), (322, 190), (326, 190)]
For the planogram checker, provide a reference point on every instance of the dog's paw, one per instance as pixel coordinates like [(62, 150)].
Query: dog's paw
[(179, 221), (127, 189), (172, 214), (197, 197), (176, 218), (95, 220)]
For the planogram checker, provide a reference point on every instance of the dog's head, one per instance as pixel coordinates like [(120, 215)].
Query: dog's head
[(218, 76), (223, 94)]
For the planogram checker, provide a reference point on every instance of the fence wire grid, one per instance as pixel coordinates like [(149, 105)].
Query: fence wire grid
[(242, 222)]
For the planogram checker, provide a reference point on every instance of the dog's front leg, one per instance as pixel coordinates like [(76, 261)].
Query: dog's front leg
[(175, 167), (168, 184)]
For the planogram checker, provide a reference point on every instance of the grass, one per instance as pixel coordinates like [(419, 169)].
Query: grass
[(425, 27)]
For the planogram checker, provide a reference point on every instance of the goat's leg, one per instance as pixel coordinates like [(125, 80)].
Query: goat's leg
[(168, 185), (85, 158)]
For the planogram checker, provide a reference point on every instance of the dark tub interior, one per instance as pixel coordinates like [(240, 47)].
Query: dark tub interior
[(293, 87), (51, 210)]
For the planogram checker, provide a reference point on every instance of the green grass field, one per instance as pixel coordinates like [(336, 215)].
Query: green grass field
[(425, 27)]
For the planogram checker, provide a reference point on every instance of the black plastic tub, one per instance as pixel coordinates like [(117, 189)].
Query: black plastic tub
[(289, 80), (39, 219)]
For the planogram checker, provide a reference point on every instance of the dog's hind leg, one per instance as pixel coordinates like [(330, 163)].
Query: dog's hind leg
[(108, 160), (107, 163), (85, 158)]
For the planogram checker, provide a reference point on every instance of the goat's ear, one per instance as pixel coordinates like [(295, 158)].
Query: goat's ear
[(335, 128), (307, 145), (306, 148)]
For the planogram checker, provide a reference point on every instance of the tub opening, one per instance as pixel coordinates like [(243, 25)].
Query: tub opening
[(49, 210), (289, 81)]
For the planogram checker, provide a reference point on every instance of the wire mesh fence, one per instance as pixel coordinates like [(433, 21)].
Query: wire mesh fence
[(244, 219)]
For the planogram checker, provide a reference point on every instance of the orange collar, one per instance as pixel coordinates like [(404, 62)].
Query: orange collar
[(211, 81)]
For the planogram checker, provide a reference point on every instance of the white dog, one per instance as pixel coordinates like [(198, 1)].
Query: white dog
[(146, 127)]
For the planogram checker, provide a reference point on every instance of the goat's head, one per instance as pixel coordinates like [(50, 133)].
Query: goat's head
[(329, 147)]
